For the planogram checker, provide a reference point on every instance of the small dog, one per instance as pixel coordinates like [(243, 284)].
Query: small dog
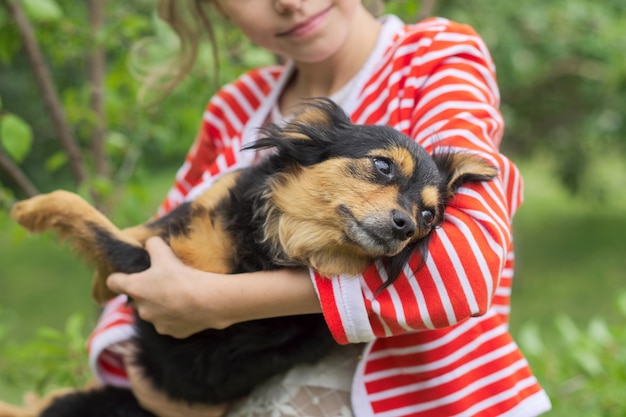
[(332, 195)]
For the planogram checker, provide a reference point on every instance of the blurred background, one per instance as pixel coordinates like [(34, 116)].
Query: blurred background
[(73, 115)]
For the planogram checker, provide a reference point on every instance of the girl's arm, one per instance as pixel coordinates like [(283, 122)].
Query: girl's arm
[(180, 300), (445, 96)]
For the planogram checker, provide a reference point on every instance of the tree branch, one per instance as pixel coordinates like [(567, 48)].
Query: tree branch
[(97, 69), (48, 91), (427, 8), (17, 175)]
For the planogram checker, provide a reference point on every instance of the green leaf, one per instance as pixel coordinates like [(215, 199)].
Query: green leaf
[(43, 10), (588, 361), (74, 324), (56, 161), (48, 334), (116, 143), (568, 329), (530, 339), (16, 136), (103, 186), (599, 331)]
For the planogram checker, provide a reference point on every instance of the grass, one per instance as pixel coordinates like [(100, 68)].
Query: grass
[(42, 282), (570, 253)]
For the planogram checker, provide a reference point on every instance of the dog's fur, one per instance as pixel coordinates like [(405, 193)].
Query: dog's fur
[(332, 195)]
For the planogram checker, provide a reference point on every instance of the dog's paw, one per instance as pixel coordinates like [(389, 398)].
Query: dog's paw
[(8, 410), (44, 211), (28, 214)]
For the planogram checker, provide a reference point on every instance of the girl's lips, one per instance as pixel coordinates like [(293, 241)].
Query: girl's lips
[(306, 26)]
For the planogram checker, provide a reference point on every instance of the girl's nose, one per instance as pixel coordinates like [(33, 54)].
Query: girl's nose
[(287, 6)]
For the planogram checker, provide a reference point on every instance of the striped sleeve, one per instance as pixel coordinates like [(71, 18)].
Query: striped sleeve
[(448, 101)]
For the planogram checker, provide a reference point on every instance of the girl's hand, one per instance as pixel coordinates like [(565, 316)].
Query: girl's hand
[(181, 301), (170, 295)]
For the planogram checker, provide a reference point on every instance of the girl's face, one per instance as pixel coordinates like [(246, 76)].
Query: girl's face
[(307, 31)]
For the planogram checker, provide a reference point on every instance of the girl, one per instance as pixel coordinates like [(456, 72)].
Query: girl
[(436, 342)]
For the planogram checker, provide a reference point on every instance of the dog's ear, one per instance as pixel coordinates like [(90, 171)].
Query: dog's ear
[(321, 112), (306, 139), (458, 168)]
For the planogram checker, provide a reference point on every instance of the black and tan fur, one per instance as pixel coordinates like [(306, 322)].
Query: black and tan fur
[(332, 195)]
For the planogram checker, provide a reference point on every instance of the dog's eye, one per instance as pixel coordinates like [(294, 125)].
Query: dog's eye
[(428, 217), (383, 166)]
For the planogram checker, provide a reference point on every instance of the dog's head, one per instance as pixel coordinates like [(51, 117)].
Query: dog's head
[(346, 194)]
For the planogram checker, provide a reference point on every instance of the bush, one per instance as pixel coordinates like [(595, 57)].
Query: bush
[(50, 359), (583, 370), (562, 79)]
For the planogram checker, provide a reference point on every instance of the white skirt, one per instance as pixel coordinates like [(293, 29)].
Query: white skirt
[(319, 390)]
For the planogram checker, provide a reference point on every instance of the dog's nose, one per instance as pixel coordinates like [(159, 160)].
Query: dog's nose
[(403, 226)]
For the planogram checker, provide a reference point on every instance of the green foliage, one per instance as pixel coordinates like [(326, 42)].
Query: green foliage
[(139, 139), (562, 75), (49, 359), (569, 251), (569, 270), (15, 136), (407, 9), (583, 369), (43, 10)]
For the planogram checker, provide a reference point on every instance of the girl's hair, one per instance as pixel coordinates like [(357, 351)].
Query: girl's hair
[(191, 21)]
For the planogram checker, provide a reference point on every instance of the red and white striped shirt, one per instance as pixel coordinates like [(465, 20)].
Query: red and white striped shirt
[(438, 339)]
